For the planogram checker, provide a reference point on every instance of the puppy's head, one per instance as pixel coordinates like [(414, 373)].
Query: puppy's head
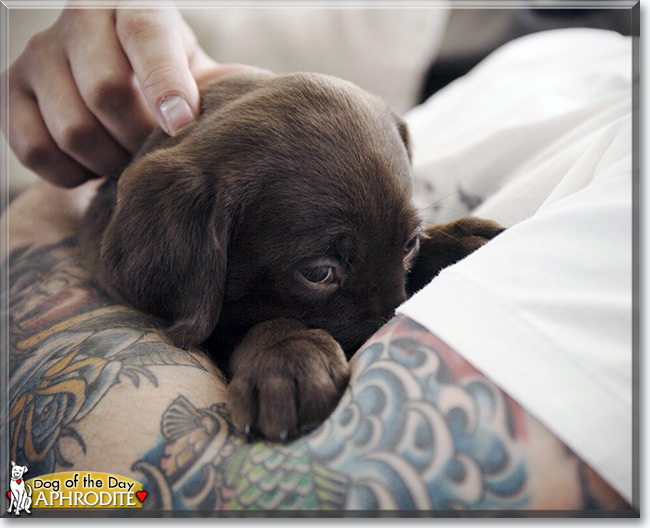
[(17, 471), (288, 198)]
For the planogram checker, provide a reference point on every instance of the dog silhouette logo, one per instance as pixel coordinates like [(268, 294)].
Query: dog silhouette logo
[(20, 495)]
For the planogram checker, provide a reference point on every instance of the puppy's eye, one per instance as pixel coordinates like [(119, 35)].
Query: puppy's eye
[(319, 274), (411, 247), (323, 274)]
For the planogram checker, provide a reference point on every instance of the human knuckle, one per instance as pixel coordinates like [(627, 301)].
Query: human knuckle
[(109, 91), (41, 49), (75, 135), (31, 152), (32, 55), (38, 42)]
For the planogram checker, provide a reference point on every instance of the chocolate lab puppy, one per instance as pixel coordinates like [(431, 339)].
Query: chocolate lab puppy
[(277, 232)]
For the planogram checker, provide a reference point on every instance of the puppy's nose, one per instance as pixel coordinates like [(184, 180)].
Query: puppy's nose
[(395, 302), (383, 304)]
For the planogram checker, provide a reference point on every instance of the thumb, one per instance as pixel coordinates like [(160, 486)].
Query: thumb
[(155, 42)]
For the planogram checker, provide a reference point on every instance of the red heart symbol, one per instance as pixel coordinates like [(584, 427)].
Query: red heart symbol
[(19, 481), (9, 494), (141, 495)]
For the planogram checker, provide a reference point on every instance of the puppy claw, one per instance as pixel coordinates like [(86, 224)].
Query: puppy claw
[(287, 379), (247, 433)]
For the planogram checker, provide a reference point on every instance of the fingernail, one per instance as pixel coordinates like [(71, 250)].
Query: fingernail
[(176, 113), (247, 432)]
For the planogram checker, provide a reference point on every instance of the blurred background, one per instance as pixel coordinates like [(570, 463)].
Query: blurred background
[(402, 54)]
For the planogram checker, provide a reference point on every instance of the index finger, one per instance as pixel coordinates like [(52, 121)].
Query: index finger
[(153, 42), (105, 79)]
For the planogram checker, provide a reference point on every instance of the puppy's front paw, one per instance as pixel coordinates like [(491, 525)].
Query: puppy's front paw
[(464, 235), (286, 381), (445, 244)]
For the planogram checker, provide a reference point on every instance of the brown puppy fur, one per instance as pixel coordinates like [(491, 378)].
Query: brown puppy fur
[(277, 232)]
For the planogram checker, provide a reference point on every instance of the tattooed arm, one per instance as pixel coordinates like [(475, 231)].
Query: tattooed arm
[(89, 379), (94, 387)]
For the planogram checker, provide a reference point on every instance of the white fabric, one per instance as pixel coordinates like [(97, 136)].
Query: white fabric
[(385, 51), (541, 134), (488, 127)]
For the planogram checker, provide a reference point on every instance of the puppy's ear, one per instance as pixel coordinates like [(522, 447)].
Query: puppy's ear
[(404, 134), (164, 250)]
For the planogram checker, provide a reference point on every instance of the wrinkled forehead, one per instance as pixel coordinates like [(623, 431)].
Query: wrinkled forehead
[(334, 160), (322, 220)]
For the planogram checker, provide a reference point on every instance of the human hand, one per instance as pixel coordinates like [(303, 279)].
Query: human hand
[(87, 91)]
